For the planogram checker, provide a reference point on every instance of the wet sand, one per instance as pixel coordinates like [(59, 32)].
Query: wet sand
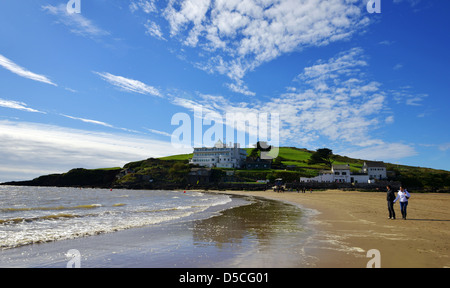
[(349, 224), (260, 234), (334, 229)]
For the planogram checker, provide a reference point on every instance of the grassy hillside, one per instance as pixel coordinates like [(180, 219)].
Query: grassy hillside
[(291, 164), (295, 164), (180, 157)]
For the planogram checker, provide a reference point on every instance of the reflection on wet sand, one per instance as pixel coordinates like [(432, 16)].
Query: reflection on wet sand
[(265, 225)]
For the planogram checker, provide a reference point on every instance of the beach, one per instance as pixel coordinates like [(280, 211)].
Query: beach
[(149, 229), (261, 229), (348, 224)]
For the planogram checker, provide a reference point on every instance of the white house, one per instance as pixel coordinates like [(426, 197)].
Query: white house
[(339, 174), (375, 170), (221, 156)]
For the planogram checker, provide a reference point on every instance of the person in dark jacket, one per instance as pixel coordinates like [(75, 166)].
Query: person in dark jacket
[(390, 202)]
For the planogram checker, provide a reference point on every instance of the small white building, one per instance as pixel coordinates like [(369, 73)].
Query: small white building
[(221, 156), (341, 173), (338, 174), (375, 170)]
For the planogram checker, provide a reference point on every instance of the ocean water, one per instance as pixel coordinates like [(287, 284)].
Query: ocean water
[(30, 215)]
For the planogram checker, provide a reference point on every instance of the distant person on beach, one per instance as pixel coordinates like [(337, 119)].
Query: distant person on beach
[(403, 195), (390, 202)]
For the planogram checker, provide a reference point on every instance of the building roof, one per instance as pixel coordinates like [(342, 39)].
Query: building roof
[(341, 167), (257, 160), (219, 144), (375, 164)]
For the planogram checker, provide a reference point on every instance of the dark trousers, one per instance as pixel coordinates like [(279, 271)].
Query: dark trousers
[(391, 209), (403, 206)]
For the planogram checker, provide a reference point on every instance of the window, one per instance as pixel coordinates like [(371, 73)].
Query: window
[(344, 173), (336, 173)]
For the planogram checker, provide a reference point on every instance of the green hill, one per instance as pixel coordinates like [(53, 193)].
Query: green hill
[(294, 164), (291, 164)]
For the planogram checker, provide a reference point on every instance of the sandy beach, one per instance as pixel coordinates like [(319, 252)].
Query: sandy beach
[(332, 229), (351, 223)]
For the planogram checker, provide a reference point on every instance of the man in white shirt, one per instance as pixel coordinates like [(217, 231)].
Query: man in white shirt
[(403, 196)]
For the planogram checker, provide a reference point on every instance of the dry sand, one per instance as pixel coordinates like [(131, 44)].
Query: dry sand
[(349, 224)]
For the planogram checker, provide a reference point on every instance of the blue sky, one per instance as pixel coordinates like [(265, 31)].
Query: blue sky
[(99, 88)]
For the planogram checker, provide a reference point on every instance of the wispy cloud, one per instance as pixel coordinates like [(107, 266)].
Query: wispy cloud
[(29, 150), (158, 132), (240, 87), (411, 2), (129, 85), (404, 95), (238, 36), (76, 22), (17, 105), (444, 147), (383, 152), (101, 123), (147, 6), (89, 121), (16, 69), (334, 100), (398, 66), (154, 30)]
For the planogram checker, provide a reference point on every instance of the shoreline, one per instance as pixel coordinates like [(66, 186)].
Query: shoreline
[(244, 233), (350, 223), (342, 227)]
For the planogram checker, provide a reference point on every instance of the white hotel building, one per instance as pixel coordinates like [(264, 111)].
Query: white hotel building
[(341, 174), (221, 156)]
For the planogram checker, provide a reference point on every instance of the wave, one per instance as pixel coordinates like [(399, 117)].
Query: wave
[(68, 231), (30, 225), (56, 208), (119, 205), (32, 219)]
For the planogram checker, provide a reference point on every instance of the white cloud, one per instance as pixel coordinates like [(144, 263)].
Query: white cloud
[(345, 63), (413, 3), (444, 147), (129, 85), (17, 105), (398, 66), (405, 96), (238, 36), (154, 30), (77, 23), (147, 6), (16, 69), (29, 150), (389, 119), (89, 121), (158, 132), (239, 87), (334, 103), (96, 122), (386, 43), (383, 152)]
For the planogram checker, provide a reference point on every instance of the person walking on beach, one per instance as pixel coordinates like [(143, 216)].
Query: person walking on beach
[(390, 202), (403, 195)]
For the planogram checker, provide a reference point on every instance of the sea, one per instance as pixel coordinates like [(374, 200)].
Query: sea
[(155, 229), (30, 215)]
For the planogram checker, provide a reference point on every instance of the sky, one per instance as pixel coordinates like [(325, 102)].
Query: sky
[(104, 86)]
